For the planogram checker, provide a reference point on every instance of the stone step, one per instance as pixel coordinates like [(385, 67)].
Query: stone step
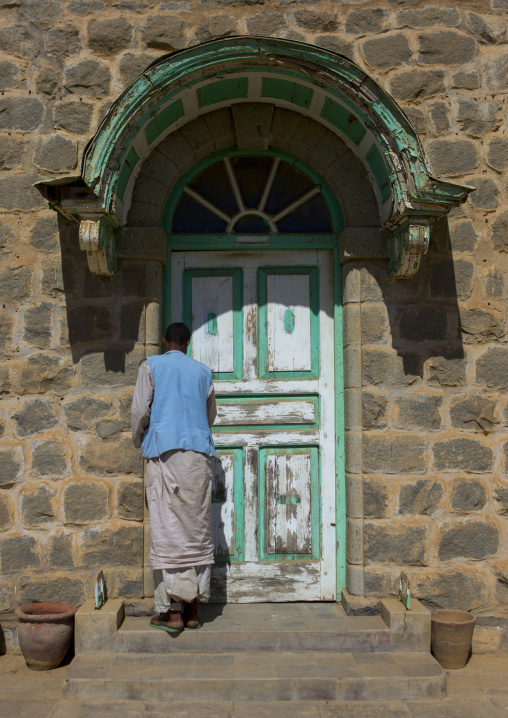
[(260, 627), (284, 676)]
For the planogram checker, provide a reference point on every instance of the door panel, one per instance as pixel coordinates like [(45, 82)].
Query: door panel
[(263, 321)]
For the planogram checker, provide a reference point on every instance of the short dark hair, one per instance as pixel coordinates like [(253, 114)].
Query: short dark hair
[(177, 333)]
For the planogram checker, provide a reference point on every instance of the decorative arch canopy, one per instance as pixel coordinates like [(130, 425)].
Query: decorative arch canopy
[(312, 81)]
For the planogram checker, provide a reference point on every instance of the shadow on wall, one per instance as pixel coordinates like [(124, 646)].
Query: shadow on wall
[(105, 316), (418, 317)]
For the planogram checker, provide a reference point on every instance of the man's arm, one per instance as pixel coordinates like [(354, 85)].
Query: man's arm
[(211, 405), (142, 403)]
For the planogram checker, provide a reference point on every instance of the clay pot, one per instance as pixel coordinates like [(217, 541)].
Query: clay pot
[(45, 633), (451, 636)]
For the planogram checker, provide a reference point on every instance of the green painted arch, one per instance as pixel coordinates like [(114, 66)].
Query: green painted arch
[(320, 84), (329, 196)]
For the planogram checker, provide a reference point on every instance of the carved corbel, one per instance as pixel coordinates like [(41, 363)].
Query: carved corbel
[(409, 240), (98, 238)]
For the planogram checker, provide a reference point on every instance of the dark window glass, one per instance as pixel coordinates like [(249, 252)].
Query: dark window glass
[(251, 225), (252, 173), (288, 186), (192, 218), (311, 218), (214, 185)]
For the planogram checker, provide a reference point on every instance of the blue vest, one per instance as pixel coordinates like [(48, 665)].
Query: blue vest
[(179, 418)]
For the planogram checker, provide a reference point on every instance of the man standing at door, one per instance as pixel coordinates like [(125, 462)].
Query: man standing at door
[(173, 409)]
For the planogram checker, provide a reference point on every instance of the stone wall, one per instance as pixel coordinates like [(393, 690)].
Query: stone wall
[(431, 353)]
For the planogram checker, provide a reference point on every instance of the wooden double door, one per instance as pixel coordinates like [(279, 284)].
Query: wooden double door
[(263, 322)]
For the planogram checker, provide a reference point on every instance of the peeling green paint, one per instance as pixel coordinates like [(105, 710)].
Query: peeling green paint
[(222, 91), (288, 91), (161, 122), (379, 171), (126, 171), (343, 120)]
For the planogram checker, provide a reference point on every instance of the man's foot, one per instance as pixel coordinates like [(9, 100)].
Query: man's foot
[(190, 615), (171, 621)]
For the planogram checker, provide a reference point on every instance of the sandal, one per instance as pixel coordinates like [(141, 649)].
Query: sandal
[(190, 615), (157, 622)]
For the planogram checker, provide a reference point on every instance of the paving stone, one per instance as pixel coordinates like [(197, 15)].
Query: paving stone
[(397, 455), (499, 234), (375, 499), (492, 368), (446, 47), (86, 502), (414, 85), (427, 17), (452, 157), (62, 41), (33, 417), (37, 505), (18, 553), (110, 547), (387, 51), (164, 32), (468, 495), (422, 497), (88, 78), (401, 545), (131, 66), (61, 589), (462, 455), (109, 36), (486, 194), (374, 410), (419, 411), (466, 79), (497, 153), (73, 116), (365, 21), (474, 539)]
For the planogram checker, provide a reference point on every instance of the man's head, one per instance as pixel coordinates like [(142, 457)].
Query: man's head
[(177, 337)]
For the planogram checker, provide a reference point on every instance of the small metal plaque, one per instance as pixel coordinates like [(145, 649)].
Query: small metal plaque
[(405, 591)]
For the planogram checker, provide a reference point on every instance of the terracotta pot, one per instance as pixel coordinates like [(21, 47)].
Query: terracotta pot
[(451, 636), (45, 633)]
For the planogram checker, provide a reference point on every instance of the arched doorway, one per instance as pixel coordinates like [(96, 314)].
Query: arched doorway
[(251, 239)]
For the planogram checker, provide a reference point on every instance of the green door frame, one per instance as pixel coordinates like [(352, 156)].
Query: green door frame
[(227, 242)]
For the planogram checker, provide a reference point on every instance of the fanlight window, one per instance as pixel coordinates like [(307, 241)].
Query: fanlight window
[(251, 195)]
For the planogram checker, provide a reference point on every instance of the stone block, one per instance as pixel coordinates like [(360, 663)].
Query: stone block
[(216, 26), (60, 554), (497, 74), (122, 546), (18, 192), (487, 30), (463, 237), (354, 579), (440, 117), (164, 32), (252, 125), (85, 7), (420, 323), (419, 411), (33, 417), (6, 513), (21, 114), (95, 630), (10, 75), (12, 464), (374, 323), (365, 21), (422, 497), (375, 499), (501, 496), (380, 366), (353, 451), (393, 454), (129, 584), (266, 24), (89, 323), (417, 119), (352, 367), (358, 605), (474, 413), (492, 368), (83, 413), (16, 284), (337, 44), (12, 151), (21, 40), (129, 500), (110, 368), (41, 373), (412, 85), (462, 454), (446, 47), (478, 118), (387, 51), (396, 544), (132, 65), (374, 410), (19, 553), (111, 457), (466, 80), (88, 78), (108, 37), (451, 279), (462, 588), (44, 234), (38, 506), (452, 157), (468, 495), (73, 116), (62, 41), (55, 153), (493, 284), (86, 502), (61, 589), (354, 541), (38, 325), (497, 153), (47, 81), (105, 429), (486, 194), (49, 459), (409, 630), (352, 409), (427, 17), (468, 539), (499, 234), (354, 496)]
